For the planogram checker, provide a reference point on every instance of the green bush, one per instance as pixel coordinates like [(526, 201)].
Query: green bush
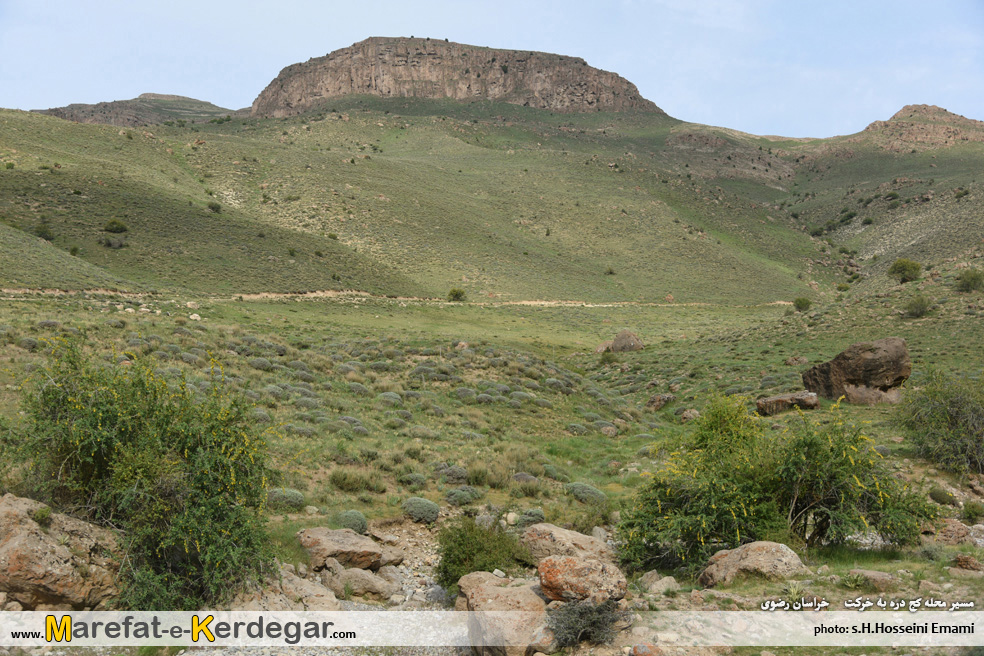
[(355, 480), (585, 621), (904, 270), (734, 484), (465, 547), (945, 421), (973, 512), (182, 474), (420, 510), (456, 295), (214, 207), (941, 496), (354, 520), (115, 226), (585, 493), (802, 304), (463, 495), (970, 280), (284, 499), (44, 231), (917, 306), (9, 165)]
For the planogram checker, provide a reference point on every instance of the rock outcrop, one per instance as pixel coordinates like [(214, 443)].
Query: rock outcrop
[(773, 405), (487, 595), (544, 540), (427, 68), (346, 546), (566, 578), (50, 561), (147, 109), (865, 373), (627, 341), (286, 591), (770, 560)]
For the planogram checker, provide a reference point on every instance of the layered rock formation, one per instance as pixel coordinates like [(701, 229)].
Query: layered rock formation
[(146, 109), (424, 68)]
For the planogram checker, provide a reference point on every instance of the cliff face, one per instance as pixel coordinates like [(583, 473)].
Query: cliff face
[(399, 67)]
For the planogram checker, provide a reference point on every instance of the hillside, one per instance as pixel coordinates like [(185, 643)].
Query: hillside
[(425, 68), (146, 109)]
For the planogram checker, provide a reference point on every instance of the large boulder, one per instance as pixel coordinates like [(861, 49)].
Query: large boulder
[(523, 634), (544, 540), (770, 560), (865, 373), (566, 578), (773, 405), (286, 591), (627, 341), (344, 545), (365, 584), (50, 561)]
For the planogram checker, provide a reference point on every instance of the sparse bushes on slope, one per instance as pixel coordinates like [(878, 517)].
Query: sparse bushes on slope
[(904, 270), (182, 475), (945, 421)]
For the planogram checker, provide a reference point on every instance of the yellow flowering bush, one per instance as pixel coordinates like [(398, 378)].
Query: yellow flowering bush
[(734, 483), (182, 475)]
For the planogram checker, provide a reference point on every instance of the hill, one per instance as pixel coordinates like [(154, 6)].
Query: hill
[(426, 68), (146, 109)]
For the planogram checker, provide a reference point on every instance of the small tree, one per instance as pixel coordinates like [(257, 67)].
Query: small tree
[(970, 280), (115, 226), (456, 295), (917, 306), (802, 304), (905, 270), (215, 207)]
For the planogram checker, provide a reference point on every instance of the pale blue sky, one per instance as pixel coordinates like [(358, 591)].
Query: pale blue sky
[(763, 66)]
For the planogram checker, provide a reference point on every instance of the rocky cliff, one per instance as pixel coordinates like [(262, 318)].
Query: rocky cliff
[(426, 68)]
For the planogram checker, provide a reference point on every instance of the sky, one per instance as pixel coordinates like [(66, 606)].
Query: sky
[(776, 67)]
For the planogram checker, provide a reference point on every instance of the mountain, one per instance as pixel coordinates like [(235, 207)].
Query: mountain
[(426, 68), (146, 109)]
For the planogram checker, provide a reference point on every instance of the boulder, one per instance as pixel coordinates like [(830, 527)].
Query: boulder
[(286, 592), (865, 373), (566, 578), (954, 532), (362, 583), (604, 347), (659, 401), (344, 545), (544, 540), (627, 341), (773, 405), (50, 561), (771, 560), (689, 415), (524, 634), (879, 581)]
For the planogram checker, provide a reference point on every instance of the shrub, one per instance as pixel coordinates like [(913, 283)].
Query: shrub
[(413, 481), (284, 499), (214, 206), (465, 547), (735, 484), (585, 493), (970, 280), (420, 510), (973, 512), (584, 621), (941, 496), (463, 495), (44, 232), (917, 306), (904, 270), (354, 481), (115, 226), (945, 421), (354, 520), (456, 295), (802, 304), (181, 474), (9, 165)]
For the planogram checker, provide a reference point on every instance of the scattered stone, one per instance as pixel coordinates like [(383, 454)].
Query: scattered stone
[(960, 573), (771, 560), (865, 373), (566, 578), (966, 561), (604, 347), (796, 361), (545, 540), (600, 533), (286, 592), (344, 545), (880, 581), (311, 510), (659, 401), (664, 585), (689, 415), (953, 532), (775, 404)]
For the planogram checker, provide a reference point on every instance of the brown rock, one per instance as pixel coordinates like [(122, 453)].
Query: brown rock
[(566, 578), (604, 347), (544, 540), (865, 373), (953, 532), (767, 559), (782, 402), (401, 68), (286, 592), (880, 581), (689, 415), (966, 561), (362, 583), (961, 573), (627, 341), (344, 545), (482, 591), (796, 361), (66, 565), (659, 401)]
